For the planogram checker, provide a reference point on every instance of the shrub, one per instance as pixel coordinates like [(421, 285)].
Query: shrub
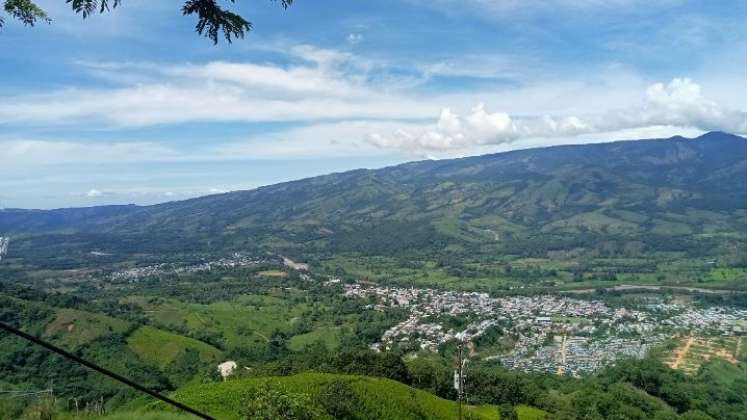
[(275, 402)]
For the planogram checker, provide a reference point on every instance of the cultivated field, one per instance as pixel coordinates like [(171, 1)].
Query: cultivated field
[(693, 352)]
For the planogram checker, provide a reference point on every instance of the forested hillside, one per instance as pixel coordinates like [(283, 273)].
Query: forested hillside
[(662, 187), (671, 210)]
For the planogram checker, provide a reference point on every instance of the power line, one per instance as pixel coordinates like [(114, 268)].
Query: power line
[(4, 395), (26, 392), (103, 371)]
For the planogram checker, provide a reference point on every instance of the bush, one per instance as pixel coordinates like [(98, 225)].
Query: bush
[(274, 402), (339, 400)]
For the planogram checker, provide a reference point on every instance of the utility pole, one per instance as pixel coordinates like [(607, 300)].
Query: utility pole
[(459, 379)]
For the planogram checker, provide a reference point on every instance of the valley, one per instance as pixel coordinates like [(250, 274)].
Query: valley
[(179, 323), (558, 278)]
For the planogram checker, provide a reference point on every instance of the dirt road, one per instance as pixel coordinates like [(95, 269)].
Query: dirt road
[(682, 353)]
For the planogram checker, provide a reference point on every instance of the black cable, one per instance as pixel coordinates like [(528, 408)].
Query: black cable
[(103, 371)]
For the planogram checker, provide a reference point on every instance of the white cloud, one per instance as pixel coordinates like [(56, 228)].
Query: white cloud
[(327, 84), (309, 141), (354, 38), (505, 9), (348, 105), (21, 153), (95, 193), (675, 107), (146, 193), (678, 104)]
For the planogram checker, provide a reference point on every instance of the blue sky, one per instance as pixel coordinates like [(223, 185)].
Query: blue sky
[(134, 107)]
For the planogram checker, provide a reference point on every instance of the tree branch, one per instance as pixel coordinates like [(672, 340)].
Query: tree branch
[(25, 11), (212, 19)]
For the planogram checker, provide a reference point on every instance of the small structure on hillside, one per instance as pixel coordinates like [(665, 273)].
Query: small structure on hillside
[(226, 369)]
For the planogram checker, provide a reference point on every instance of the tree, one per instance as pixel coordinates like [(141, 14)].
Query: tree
[(339, 400), (212, 19), (507, 412), (277, 403)]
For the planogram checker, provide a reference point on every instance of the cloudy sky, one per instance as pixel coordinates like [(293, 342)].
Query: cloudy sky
[(133, 107)]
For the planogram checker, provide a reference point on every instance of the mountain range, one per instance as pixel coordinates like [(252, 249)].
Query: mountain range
[(675, 187)]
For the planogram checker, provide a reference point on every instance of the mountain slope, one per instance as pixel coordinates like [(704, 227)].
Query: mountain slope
[(674, 187), (378, 398)]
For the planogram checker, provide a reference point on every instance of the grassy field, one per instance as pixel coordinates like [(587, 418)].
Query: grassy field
[(330, 336), (273, 273), (389, 270), (243, 320), (379, 398), (557, 272), (73, 328), (248, 320), (161, 347)]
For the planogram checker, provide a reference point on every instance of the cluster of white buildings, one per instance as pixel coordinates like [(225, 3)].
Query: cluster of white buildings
[(716, 320), (574, 355), (4, 242), (551, 333), (237, 260)]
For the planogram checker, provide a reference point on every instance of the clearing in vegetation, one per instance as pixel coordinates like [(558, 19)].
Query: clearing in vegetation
[(273, 273), (73, 328), (696, 351), (161, 347)]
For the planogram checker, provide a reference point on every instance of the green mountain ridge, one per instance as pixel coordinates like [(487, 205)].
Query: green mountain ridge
[(537, 189), (650, 188), (589, 211)]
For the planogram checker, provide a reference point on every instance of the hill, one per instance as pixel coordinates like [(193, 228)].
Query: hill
[(162, 348), (375, 398), (157, 358)]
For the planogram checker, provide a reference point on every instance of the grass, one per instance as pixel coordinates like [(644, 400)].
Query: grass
[(330, 336), (244, 320), (74, 329), (161, 347), (148, 416), (669, 269), (387, 270), (273, 273), (380, 398), (530, 413), (726, 373)]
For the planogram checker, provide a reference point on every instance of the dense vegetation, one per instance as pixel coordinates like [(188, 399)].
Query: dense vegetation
[(279, 333), (667, 212), (658, 212)]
